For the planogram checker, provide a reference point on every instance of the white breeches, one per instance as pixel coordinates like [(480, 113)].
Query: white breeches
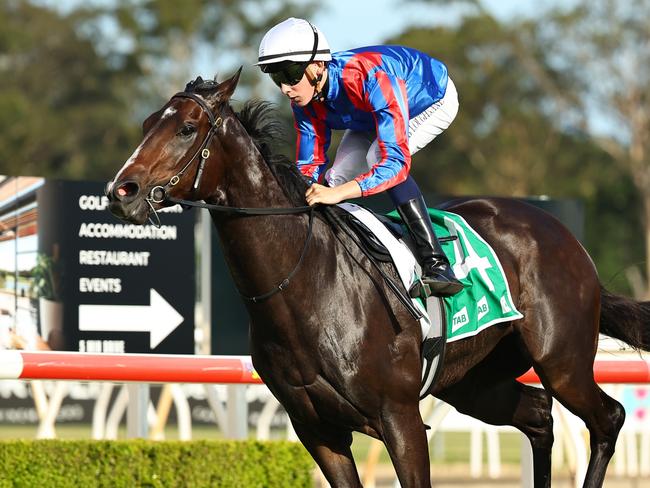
[(359, 151)]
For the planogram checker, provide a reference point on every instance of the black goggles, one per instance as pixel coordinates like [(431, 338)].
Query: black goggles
[(291, 74)]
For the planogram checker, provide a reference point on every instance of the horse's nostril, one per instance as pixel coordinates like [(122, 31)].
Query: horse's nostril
[(125, 190)]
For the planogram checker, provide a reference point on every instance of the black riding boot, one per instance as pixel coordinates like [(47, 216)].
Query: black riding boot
[(436, 271)]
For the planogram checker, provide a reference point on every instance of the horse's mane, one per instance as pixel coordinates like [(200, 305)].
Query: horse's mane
[(265, 129), (261, 122)]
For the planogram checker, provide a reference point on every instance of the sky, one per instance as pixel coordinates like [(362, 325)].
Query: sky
[(355, 23), (349, 24)]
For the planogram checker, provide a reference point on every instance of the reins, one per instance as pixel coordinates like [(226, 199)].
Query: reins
[(241, 210), (247, 211), (285, 282), (158, 194), (295, 210)]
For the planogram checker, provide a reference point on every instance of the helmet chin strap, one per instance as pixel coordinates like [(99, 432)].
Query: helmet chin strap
[(314, 81)]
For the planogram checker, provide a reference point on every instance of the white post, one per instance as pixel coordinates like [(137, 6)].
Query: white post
[(183, 414), (237, 412), (527, 477), (205, 293), (266, 417), (100, 409), (645, 453), (573, 426), (136, 411), (46, 425), (212, 396), (476, 451), (115, 415), (493, 452)]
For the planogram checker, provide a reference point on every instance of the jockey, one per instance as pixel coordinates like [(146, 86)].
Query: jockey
[(391, 100)]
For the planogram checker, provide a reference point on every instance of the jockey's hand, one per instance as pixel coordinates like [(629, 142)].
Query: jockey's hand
[(330, 195)]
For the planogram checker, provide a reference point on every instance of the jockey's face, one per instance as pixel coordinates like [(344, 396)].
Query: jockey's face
[(302, 92)]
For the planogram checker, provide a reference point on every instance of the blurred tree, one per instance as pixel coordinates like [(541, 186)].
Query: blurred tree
[(609, 94), (171, 40), (592, 64), (77, 83), (63, 108), (503, 141), (515, 136)]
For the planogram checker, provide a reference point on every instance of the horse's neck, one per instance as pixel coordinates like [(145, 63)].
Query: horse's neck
[(254, 247)]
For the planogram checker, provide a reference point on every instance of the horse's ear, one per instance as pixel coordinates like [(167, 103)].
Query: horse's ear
[(227, 88)]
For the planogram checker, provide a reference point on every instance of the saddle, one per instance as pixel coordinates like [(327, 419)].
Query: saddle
[(373, 245)]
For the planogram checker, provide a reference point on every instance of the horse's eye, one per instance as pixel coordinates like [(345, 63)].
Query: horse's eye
[(187, 130)]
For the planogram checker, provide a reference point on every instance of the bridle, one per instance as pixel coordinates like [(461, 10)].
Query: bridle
[(158, 194)]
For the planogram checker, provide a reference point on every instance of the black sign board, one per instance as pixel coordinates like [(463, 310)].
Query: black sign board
[(124, 288), (229, 330)]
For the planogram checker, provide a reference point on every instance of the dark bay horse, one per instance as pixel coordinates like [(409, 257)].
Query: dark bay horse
[(334, 345)]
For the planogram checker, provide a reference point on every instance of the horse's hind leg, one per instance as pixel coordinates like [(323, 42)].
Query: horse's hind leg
[(603, 416), (330, 448), (508, 402), (562, 352)]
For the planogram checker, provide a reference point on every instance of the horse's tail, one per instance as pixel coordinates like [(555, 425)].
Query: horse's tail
[(625, 319)]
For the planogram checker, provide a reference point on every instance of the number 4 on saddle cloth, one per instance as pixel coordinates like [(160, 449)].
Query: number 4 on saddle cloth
[(484, 301)]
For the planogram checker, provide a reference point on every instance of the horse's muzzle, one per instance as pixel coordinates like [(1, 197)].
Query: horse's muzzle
[(126, 202)]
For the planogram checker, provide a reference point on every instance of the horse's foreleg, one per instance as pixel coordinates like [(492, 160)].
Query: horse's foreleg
[(330, 448), (405, 437)]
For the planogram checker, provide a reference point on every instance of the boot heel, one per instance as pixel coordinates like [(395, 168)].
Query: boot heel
[(445, 289), (420, 290)]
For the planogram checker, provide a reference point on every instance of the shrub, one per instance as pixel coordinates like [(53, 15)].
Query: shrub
[(141, 463)]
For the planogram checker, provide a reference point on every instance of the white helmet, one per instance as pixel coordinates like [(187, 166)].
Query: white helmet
[(293, 40)]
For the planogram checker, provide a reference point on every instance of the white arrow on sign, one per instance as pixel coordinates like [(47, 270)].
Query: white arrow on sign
[(158, 318)]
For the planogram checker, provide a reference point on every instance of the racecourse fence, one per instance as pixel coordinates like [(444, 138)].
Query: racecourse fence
[(137, 371), (177, 368)]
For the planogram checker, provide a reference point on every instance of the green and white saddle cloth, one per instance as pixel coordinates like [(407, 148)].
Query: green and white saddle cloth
[(485, 299)]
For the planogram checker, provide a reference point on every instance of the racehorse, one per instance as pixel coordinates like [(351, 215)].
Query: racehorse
[(328, 337)]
